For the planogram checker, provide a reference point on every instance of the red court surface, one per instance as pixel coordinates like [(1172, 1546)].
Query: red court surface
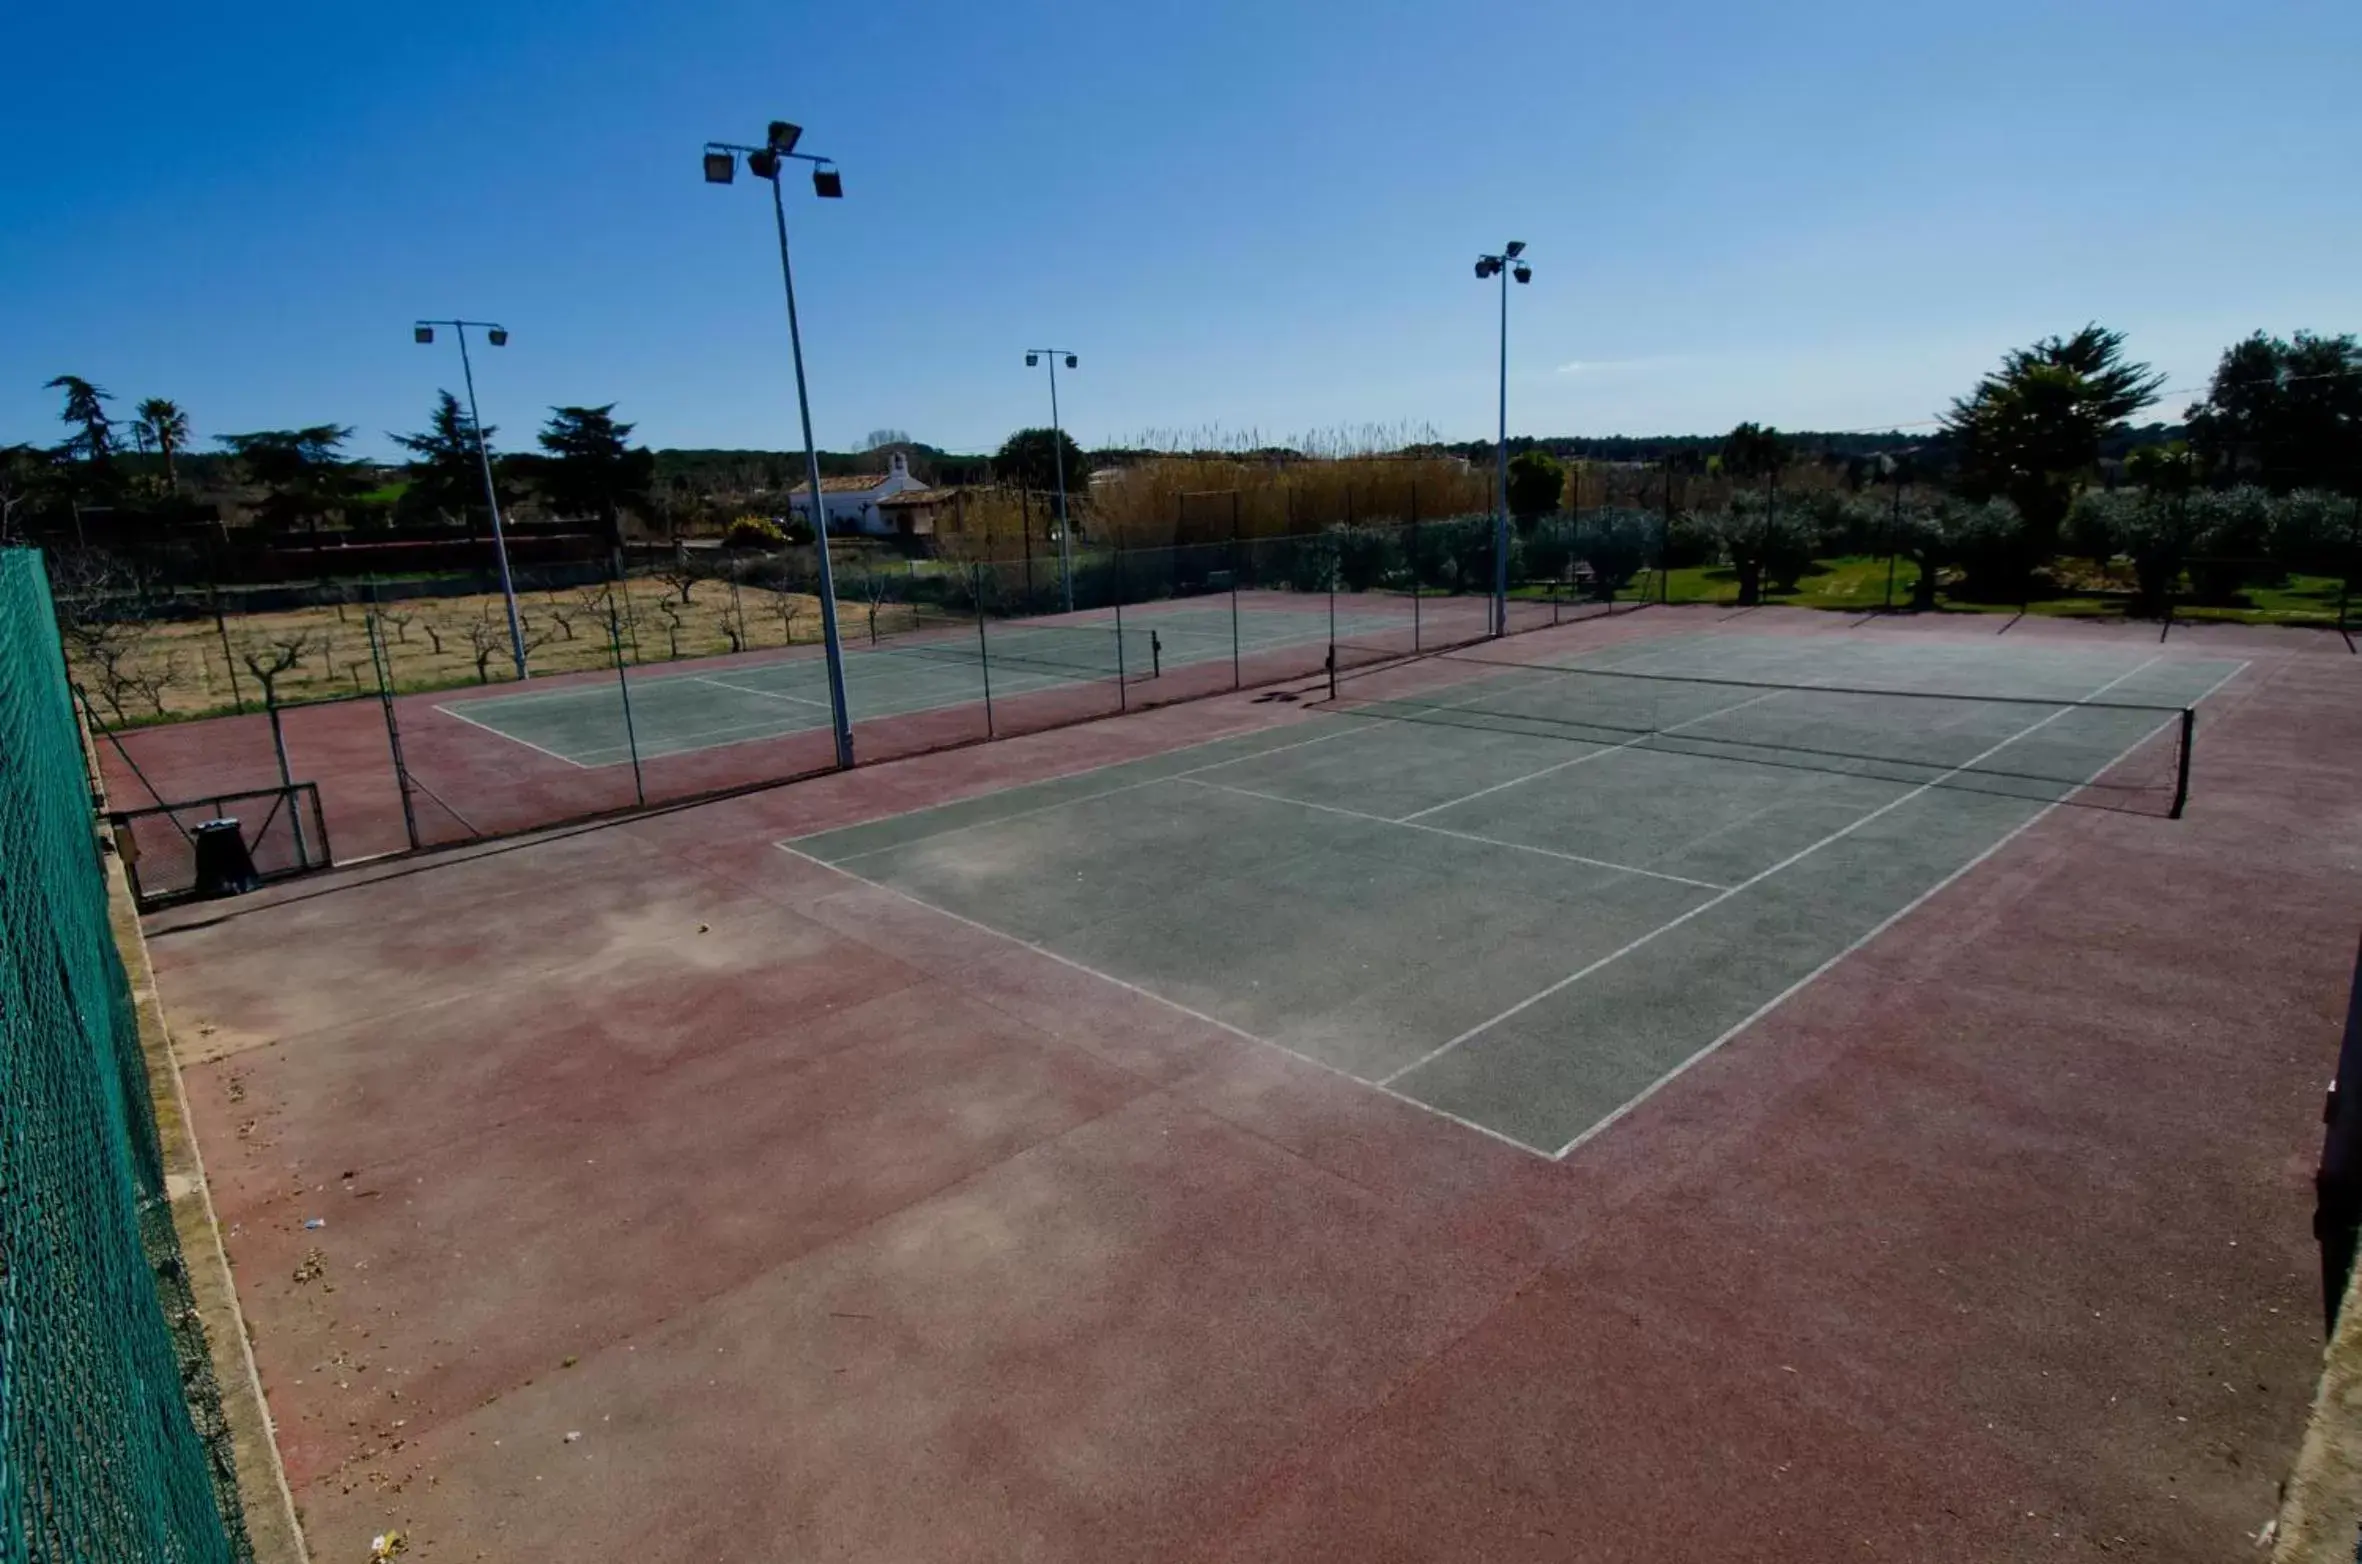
[(683, 1199), (470, 782)]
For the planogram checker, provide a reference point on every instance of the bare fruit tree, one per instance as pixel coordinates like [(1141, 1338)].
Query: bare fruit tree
[(105, 618), (487, 636), (271, 658)]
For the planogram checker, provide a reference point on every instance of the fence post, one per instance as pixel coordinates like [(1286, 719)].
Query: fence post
[(380, 663), (270, 698), (2181, 781), (1665, 541), (1123, 691), (1413, 553), (1025, 528), (631, 736), (228, 658), (1237, 564), (1894, 520), (983, 651), (2345, 591)]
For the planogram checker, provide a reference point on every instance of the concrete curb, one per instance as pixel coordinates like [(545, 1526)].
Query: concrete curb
[(262, 1482)]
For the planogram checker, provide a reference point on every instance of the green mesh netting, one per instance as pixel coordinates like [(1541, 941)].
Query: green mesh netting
[(112, 1444)]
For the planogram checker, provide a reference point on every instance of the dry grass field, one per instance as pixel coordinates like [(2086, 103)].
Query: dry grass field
[(139, 672)]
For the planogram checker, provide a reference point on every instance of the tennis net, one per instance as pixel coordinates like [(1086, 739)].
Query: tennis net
[(1085, 651), (2124, 754)]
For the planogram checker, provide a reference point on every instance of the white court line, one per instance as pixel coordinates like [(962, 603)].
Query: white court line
[(758, 732), (1757, 878), (1061, 803), (1170, 1004), (1170, 776), (1408, 824), (513, 739), (1916, 902), (720, 683), (1610, 749)]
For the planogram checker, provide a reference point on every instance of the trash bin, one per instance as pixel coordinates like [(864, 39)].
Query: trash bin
[(224, 867)]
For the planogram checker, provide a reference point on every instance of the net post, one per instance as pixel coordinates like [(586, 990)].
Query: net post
[(2181, 780), (983, 651)]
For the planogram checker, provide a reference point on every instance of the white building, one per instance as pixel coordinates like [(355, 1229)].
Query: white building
[(852, 501)]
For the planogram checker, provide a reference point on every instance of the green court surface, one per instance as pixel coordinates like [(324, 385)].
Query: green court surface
[(674, 712), (1525, 896)]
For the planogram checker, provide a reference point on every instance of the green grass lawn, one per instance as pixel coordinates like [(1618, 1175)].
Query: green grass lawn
[(1858, 583)]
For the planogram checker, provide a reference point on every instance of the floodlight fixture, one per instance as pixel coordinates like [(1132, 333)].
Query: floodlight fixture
[(1071, 361), (1033, 360), (827, 183), (721, 167), (1484, 267), (1514, 249), (782, 137), (1523, 272), (763, 163), (496, 335), (422, 333)]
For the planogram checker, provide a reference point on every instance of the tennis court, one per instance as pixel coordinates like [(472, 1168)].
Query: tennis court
[(938, 665), (1524, 895)]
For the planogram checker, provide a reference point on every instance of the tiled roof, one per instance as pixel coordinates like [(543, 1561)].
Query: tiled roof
[(851, 483), (916, 497)]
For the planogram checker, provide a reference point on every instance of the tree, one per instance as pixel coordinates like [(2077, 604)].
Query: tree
[(447, 476), (1615, 542), (162, 424), (2030, 432), (591, 468), (1031, 458), (86, 405), (1537, 482), (303, 470), (1768, 542), (28, 486), (271, 657), (1938, 531), (1753, 451), (2286, 413)]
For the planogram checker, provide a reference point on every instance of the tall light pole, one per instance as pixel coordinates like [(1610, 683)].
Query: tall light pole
[(1504, 266), (1034, 356), (721, 167), (424, 331)]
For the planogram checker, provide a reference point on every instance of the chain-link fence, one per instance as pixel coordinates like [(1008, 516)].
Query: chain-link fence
[(112, 1441), (427, 712)]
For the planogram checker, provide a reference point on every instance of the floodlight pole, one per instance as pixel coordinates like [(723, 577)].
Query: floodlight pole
[(834, 651), (508, 590), (1058, 465), (1501, 266), (1501, 478), (781, 148)]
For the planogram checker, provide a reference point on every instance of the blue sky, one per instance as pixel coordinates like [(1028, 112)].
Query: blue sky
[(1245, 217)]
